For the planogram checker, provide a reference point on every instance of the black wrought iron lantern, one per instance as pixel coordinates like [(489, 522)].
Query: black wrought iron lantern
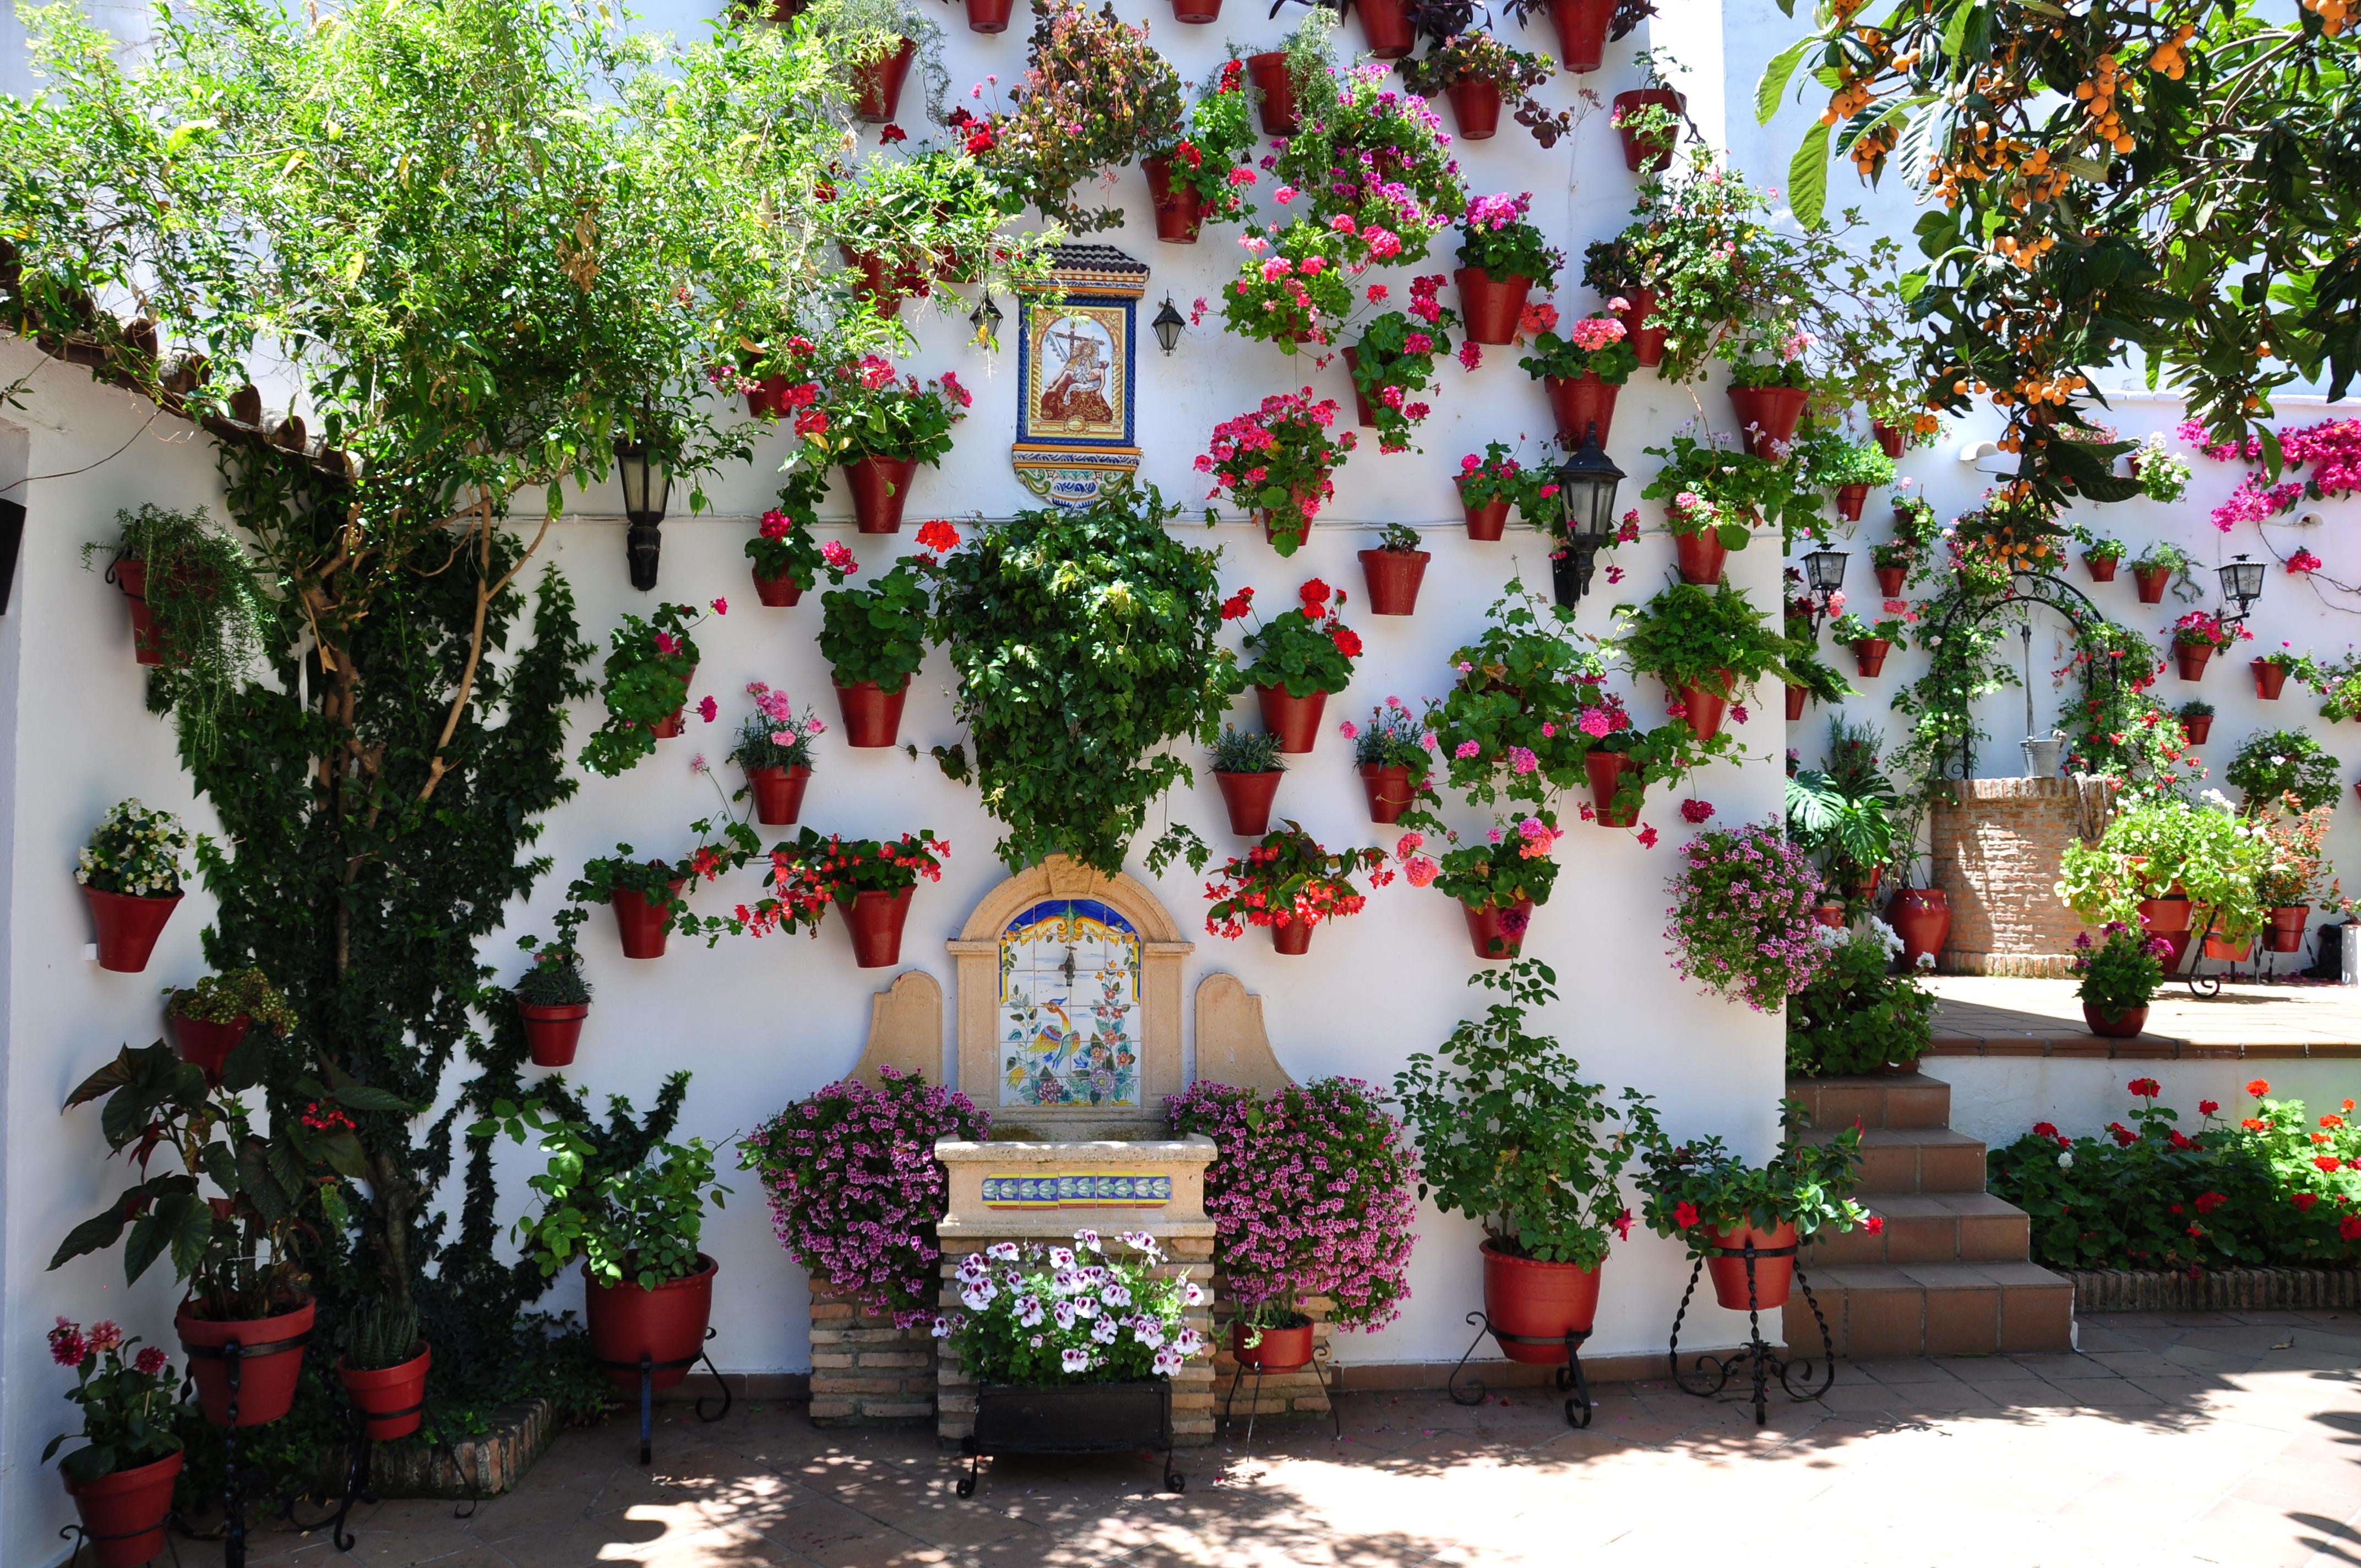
[(1824, 571), (1168, 324), (646, 478), (1587, 483), (2242, 584)]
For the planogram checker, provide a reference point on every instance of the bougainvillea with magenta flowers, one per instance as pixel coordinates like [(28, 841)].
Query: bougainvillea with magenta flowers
[(1742, 916), (855, 1191), (1311, 1195)]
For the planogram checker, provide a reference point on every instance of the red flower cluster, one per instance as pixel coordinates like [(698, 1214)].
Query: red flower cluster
[(1234, 607), (938, 536), (2146, 1088), (328, 1121)]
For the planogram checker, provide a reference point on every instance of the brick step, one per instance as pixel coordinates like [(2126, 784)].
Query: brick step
[(1929, 1227), (1933, 1309), (1875, 1100), (1913, 1159)]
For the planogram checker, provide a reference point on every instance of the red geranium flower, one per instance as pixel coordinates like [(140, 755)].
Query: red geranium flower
[(2146, 1088), (2259, 1088), (938, 535)]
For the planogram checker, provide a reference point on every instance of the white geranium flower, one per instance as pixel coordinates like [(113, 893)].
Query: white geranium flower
[(1078, 1360), (942, 1328), (1061, 1259), (1087, 1240), (1193, 1293), (1148, 1331), (1104, 1332), (1028, 1312), (1086, 1306), (979, 1296), (2066, 1159), (1001, 1252), (1168, 1362), (1116, 1294), (971, 1269), (1188, 1342), (1064, 1312)]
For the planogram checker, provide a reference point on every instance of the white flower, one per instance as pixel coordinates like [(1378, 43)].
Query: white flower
[(2066, 1159), (1064, 1312), (1883, 935), (1193, 1293), (1085, 1307), (971, 1270), (979, 1296), (1087, 1240), (1028, 1312), (1037, 1341), (1078, 1360), (1060, 1259), (1188, 1342), (1001, 1252), (1066, 1282), (1114, 1295), (1926, 961), (942, 1328), (1168, 1362), (1148, 1331), (1104, 1332)]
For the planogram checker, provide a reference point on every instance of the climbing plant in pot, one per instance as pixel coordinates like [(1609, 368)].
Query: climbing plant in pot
[(1582, 372), (384, 1369), (198, 616), (775, 747), (646, 893), (1510, 1136), (210, 1018), (1708, 645), (1279, 462), (1247, 767), (1746, 1221), (121, 1478), (552, 995), (1714, 498), (1480, 74), (1502, 259), (788, 561), (632, 1211), (130, 877), (1303, 655), (1290, 883), (644, 688), (870, 880), (874, 640)]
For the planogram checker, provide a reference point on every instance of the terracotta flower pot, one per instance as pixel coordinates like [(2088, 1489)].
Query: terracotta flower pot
[(392, 1398), (1701, 556), (1831, 914), (1476, 109), (1386, 25), (2199, 727), (1795, 695), (669, 727), (875, 919), (1921, 917), (1491, 306), (2169, 917), (2269, 679), (1706, 707), (1581, 31), (553, 1032), (2102, 567), (1363, 414), (1606, 770), (1889, 440), (640, 924), (1869, 653), (871, 717), (1644, 151), (1488, 927), (2189, 659), (1180, 210), (1647, 342), (777, 593), (1767, 414), (1774, 1277), (884, 284), (988, 15), (1485, 522), (1537, 1300), (208, 1045), (1393, 576), (1196, 12), (1248, 797), (127, 927), (1291, 522), (131, 576), (123, 1513), (1580, 402), (1891, 580), (2286, 935), (665, 1324), (2121, 1026), (1276, 92), (879, 486), (2229, 950), (1849, 498), (1275, 1350), (270, 1361), (1293, 939), (1389, 790), (2151, 581), (766, 399), (877, 84), (1294, 719), (778, 794)]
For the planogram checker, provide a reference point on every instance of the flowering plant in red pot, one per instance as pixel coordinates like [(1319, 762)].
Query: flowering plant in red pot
[(1096, 94), (1718, 1205), (1708, 645), (1201, 175), (122, 1477), (1491, 485), (1277, 462), (1479, 73), (1290, 883), (787, 560), (1872, 640), (1302, 655), (2118, 976), (646, 687), (880, 427), (1373, 165), (1310, 1194), (1502, 259), (775, 747), (1582, 371), (1394, 360), (646, 893), (874, 640), (130, 876), (1392, 751), (1717, 495), (855, 1190), (870, 880), (2204, 629), (1742, 916), (1294, 288), (210, 1018), (552, 995)]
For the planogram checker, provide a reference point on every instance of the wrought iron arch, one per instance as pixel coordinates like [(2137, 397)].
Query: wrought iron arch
[(2025, 590)]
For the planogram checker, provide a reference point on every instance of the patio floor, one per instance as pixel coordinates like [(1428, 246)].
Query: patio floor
[(1992, 1016), (2171, 1438)]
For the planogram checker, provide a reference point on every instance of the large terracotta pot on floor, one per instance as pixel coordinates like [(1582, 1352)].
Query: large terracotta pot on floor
[(666, 1323), (1921, 917), (2123, 1026), (1774, 1277), (2288, 921), (123, 1513), (271, 1359), (1536, 1300)]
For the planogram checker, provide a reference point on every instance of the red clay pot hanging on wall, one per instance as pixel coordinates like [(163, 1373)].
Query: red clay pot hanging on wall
[(1537, 1300), (270, 1361), (1647, 342), (877, 83), (1641, 150), (1795, 695), (123, 1513), (1606, 770), (1294, 719), (882, 283), (1361, 411), (1488, 927), (1921, 917), (1889, 440), (1389, 789), (2189, 659), (1491, 306), (208, 1045), (1891, 580), (875, 919), (127, 927), (1485, 522), (1180, 210), (1393, 576), (880, 486), (2102, 567), (766, 399), (640, 924), (1475, 110), (1276, 92), (1869, 653), (131, 576), (1581, 401), (871, 717), (391, 1398), (1767, 414), (1386, 25), (1774, 1277), (1293, 939), (2123, 1026), (1196, 12), (2199, 727), (553, 1031), (2269, 679), (1247, 797), (1581, 31), (778, 592), (1706, 707), (1701, 556), (2151, 581), (665, 1324), (778, 794), (1849, 498), (988, 15)]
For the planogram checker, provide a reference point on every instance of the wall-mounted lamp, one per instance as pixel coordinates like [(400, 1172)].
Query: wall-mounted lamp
[(2242, 584), (647, 487), (1168, 324), (1587, 483), (1824, 573)]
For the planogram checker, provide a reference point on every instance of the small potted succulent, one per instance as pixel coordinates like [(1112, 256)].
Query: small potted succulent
[(2102, 555), (2198, 636), (2156, 567), (553, 997), (644, 687), (2272, 669), (121, 1478), (787, 560), (870, 880), (1394, 570), (1302, 655), (130, 876), (1708, 645), (384, 1368), (1582, 372), (1247, 767), (1731, 1213), (1510, 1136), (1478, 73), (1490, 485), (775, 747), (1502, 259), (211, 1017), (1392, 751), (2118, 976), (2196, 719), (1872, 640), (1279, 462), (874, 640), (1290, 883)]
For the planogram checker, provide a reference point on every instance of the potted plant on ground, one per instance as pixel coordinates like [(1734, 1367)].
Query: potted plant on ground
[(1310, 1197), (1872, 640), (855, 1190), (1848, 823), (1861, 1014), (1290, 883), (787, 560), (384, 1368), (1478, 73), (630, 1205), (870, 880), (1394, 360), (1490, 485), (879, 427), (2159, 859), (1708, 645), (2156, 566), (1279, 462), (1394, 569), (1201, 176), (644, 687), (130, 876), (1714, 498), (552, 995), (1502, 259), (211, 1017), (1741, 916), (2118, 977), (2295, 863), (1247, 767), (775, 747), (1730, 1212), (1851, 468), (2198, 636), (121, 1478), (874, 640), (2101, 555), (2272, 669), (1302, 655), (1510, 1136), (1391, 752), (1582, 372)]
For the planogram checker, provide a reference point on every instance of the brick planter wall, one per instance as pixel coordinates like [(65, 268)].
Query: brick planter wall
[(481, 1466), (2219, 1289), (866, 1371), (1997, 847), (1304, 1392)]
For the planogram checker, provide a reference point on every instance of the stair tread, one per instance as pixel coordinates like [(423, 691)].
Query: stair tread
[(1937, 1205), (1888, 1138), (1868, 1080), (1921, 1276)]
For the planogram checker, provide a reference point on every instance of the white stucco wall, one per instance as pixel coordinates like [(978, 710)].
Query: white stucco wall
[(1998, 1099)]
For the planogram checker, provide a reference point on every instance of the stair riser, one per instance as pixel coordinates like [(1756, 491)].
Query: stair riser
[(1952, 1239), (1903, 1103), (1962, 1322), (1914, 1168)]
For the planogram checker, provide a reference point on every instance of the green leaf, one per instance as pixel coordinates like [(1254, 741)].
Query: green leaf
[(1773, 84), (1807, 178)]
